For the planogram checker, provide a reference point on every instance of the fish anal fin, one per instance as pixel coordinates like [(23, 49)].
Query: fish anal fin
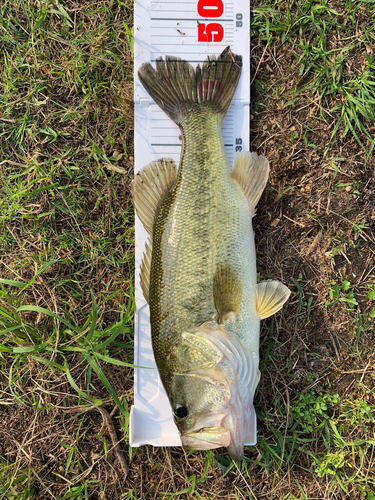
[(270, 297), (251, 173), (227, 289), (150, 186), (145, 269)]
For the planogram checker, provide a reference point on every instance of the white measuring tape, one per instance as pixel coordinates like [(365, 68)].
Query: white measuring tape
[(191, 30)]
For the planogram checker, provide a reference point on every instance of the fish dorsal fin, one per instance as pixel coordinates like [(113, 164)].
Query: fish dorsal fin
[(144, 271), (227, 290), (150, 186), (270, 297), (251, 173)]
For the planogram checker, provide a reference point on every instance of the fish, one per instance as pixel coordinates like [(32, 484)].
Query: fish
[(198, 272)]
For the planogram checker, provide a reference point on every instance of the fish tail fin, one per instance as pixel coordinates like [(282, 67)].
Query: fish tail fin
[(179, 89)]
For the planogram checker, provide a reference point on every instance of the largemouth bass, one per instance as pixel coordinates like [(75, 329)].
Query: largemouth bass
[(199, 270)]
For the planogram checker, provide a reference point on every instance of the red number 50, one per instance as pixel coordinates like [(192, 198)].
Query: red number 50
[(212, 32)]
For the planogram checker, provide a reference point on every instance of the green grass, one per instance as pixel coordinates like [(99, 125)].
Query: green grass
[(67, 257), (56, 86), (66, 220), (329, 421), (339, 68), (16, 482)]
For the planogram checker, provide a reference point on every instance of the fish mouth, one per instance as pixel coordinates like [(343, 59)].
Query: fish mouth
[(207, 438)]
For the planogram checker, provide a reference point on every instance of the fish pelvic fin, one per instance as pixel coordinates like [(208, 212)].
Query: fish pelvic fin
[(178, 89), (270, 297), (251, 172), (227, 289)]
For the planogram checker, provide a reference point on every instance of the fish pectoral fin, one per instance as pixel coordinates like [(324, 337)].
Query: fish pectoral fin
[(150, 185), (227, 288), (144, 271), (251, 173), (270, 297)]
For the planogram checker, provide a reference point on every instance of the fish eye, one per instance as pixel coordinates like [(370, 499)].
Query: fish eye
[(181, 411)]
